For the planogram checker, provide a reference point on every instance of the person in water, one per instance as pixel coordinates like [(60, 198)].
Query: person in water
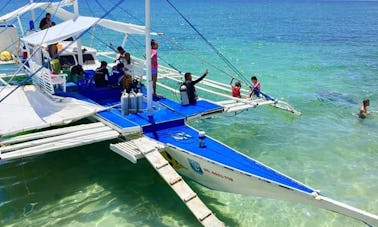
[(256, 87), (235, 89), (363, 109), (190, 86)]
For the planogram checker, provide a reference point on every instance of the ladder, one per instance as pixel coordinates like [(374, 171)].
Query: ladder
[(149, 149)]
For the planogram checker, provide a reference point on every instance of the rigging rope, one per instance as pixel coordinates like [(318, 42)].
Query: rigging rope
[(11, 21), (176, 44), (233, 68), (6, 4), (24, 64), (81, 34)]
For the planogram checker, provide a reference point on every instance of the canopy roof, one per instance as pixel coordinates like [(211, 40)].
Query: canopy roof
[(74, 27), (18, 12), (46, 6)]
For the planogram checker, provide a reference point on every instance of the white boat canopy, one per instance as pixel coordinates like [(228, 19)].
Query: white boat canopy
[(74, 27), (47, 6), (28, 109)]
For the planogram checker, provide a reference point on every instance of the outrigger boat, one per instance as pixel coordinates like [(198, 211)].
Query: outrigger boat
[(53, 100)]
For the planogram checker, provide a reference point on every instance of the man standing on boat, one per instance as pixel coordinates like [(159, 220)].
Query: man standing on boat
[(190, 86)]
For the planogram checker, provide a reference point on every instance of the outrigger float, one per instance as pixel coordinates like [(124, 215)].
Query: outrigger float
[(43, 113)]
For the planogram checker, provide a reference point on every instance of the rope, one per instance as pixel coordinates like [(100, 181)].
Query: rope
[(6, 4), (55, 56), (11, 22), (211, 45)]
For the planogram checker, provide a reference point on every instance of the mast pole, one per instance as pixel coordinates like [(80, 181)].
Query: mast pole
[(148, 57), (78, 41)]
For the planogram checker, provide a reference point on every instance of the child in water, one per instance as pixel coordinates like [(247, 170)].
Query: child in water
[(235, 89), (363, 110)]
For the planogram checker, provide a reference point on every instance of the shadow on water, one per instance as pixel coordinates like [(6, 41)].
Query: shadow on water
[(91, 184), (335, 97)]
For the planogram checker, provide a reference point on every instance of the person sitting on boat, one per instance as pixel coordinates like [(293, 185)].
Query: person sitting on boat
[(52, 49), (363, 110), (127, 82), (117, 74), (190, 86), (256, 87), (45, 22), (77, 73), (101, 74), (235, 89), (124, 56)]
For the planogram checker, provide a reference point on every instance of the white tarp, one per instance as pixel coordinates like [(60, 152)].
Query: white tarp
[(122, 27), (27, 109), (46, 6), (61, 31), (75, 27), (18, 12)]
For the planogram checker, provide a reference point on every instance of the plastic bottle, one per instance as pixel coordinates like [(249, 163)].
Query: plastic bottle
[(201, 139)]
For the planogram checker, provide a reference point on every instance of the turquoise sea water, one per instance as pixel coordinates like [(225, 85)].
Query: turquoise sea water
[(320, 56)]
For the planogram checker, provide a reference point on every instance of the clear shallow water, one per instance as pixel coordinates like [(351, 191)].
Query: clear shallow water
[(321, 57)]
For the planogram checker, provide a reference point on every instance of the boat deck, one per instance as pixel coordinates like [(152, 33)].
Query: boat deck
[(167, 125), (165, 110), (186, 138)]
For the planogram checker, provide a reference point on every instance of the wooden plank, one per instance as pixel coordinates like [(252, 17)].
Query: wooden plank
[(52, 132), (60, 145), (73, 135), (127, 150), (174, 180)]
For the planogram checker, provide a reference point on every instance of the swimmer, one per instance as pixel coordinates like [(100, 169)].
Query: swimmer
[(363, 110)]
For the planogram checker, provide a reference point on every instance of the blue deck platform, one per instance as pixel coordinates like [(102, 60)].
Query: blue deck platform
[(167, 125), (220, 153), (201, 108), (167, 111)]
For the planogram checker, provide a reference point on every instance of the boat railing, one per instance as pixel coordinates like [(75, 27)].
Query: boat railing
[(218, 92), (46, 80)]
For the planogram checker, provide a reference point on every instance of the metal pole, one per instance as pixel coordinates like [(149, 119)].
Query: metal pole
[(33, 13), (78, 42), (148, 58)]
